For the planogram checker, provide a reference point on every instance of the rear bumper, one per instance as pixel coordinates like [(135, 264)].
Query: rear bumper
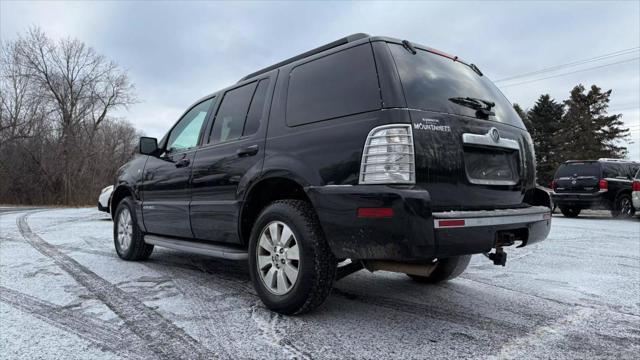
[(582, 201), (414, 232)]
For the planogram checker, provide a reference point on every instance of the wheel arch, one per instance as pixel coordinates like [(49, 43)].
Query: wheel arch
[(278, 186), (121, 192)]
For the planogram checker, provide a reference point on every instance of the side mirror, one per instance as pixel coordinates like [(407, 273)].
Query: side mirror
[(148, 145)]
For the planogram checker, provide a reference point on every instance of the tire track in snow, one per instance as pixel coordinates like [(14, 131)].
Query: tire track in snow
[(435, 312), (105, 335), (161, 336), (273, 336), (186, 278)]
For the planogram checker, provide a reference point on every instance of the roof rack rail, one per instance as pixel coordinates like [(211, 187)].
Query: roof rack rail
[(617, 160), (344, 40)]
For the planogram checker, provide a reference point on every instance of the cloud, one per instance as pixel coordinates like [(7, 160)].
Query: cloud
[(176, 52)]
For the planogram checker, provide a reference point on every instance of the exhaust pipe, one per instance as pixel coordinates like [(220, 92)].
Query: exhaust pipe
[(405, 268)]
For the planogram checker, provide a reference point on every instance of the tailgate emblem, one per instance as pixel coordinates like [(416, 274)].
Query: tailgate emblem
[(494, 134), (431, 125)]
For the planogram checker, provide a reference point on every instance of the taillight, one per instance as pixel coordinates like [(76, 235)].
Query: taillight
[(554, 184), (603, 184), (636, 185), (388, 156)]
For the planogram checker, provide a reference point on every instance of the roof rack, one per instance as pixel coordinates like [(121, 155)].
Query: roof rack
[(344, 40), (617, 160)]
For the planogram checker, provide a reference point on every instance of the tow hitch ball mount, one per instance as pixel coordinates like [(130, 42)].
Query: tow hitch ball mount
[(503, 238), (499, 257)]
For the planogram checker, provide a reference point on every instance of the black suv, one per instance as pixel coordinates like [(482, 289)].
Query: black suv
[(366, 152), (604, 184)]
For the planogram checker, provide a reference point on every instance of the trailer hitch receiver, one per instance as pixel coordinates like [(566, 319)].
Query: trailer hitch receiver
[(499, 257)]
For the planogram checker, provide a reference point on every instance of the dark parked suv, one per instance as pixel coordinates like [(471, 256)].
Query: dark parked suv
[(366, 152), (595, 184)]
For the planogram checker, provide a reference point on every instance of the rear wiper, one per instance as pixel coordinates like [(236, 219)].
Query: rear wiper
[(482, 106)]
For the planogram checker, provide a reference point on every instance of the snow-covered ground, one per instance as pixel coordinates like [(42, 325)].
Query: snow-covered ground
[(65, 294)]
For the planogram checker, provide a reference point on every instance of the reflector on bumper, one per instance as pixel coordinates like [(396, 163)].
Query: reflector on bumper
[(450, 220)]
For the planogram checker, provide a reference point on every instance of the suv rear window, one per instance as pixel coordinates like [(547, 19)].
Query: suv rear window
[(340, 84), (579, 169), (430, 80)]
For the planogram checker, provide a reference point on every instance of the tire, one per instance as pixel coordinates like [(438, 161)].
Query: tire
[(623, 207), (446, 269), (570, 212), (316, 265), (135, 249)]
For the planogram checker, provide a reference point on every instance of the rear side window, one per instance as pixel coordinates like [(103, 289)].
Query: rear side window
[(254, 117), (229, 121), (340, 84), (613, 170), (579, 169), (633, 170)]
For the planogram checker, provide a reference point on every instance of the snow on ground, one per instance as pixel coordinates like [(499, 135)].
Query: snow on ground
[(65, 294)]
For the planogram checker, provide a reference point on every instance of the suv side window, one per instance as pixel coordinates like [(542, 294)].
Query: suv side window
[(256, 109), (340, 84), (187, 131), (229, 122), (633, 169), (614, 170)]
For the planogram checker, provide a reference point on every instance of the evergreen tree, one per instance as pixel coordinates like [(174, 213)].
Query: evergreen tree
[(588, 132), (545, 121), (523, 115)]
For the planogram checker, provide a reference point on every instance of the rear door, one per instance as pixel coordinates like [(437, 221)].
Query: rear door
[(231, 157), (166, 189), (578, 177), (466, 157)]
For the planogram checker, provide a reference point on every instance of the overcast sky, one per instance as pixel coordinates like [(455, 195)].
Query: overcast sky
[(176, 52)]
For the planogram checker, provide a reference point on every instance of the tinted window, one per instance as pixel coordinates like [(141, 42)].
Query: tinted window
[(613, 170), (187, 131), (633, 169), (256, 109), (230, 118), (339, 84), (578, 169), (430, 80)]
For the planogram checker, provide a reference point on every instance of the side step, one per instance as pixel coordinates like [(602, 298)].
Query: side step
[(219, 251)]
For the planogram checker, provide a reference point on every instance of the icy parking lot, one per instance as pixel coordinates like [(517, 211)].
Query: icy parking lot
[(65, 294)]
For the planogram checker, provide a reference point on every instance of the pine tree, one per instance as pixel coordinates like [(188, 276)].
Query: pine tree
[(588, 132), (545, 121), (523, 116)]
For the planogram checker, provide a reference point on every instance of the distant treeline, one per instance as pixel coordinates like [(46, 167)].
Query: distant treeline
[(59, 143), (578, 128)]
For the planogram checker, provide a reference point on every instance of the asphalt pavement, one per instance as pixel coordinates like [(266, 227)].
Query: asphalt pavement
[(64, 294)]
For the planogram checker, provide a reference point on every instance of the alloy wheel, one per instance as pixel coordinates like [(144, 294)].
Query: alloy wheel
[(626, 208), (125, 229), (278, 258)]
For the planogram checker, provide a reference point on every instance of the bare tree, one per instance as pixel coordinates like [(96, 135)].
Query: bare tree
[(57, 102)]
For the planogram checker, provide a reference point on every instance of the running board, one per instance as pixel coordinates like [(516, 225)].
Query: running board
[(219, 251)]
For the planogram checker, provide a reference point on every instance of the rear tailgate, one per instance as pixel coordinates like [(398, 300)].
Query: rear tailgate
[(464, 168), (578, 177), (454, 107)]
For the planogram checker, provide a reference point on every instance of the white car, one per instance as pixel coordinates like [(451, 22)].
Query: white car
[(635, 195), (105, 198)]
